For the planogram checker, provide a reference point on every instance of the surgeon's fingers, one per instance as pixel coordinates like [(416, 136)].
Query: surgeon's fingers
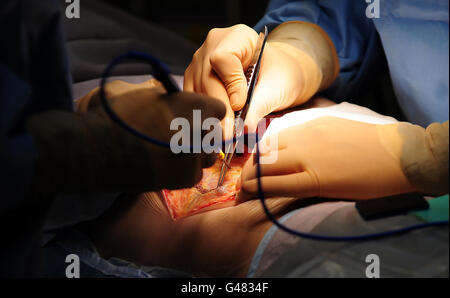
[(183, 104), (266, 97), (230, 70), (214, 108), (193, 77), (299, 185), (208, 159), (214, 88), (188, 82), (230, 58), (283, 165), (115, 89), (259, 108)]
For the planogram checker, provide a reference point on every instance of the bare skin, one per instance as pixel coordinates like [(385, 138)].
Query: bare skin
[(219, 242)]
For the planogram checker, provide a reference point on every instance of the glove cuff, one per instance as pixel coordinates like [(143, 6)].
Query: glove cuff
[(425, 156)]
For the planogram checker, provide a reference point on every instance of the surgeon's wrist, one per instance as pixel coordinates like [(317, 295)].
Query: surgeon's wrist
[(315, 50), (311, 77), (424, 156)]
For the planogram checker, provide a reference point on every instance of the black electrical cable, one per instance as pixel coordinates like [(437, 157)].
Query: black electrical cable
[(161, 73)]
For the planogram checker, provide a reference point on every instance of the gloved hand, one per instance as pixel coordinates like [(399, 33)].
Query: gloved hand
[(334, 158), (299, 59), (87, 151), (148, 109), (91, 100)]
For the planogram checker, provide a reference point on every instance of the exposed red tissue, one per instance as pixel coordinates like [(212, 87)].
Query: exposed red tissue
[(205, 194)]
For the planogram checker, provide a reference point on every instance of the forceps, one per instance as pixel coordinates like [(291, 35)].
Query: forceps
[(238, 128)]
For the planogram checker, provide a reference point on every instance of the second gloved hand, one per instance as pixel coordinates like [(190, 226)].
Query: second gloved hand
[(333, 158), (88, 152), (292, 69), (147, 108)]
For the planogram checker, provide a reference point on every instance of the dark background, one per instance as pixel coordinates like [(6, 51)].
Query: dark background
[(193, 19)]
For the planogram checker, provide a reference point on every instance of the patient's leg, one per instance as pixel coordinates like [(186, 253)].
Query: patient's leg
[(215, 243)]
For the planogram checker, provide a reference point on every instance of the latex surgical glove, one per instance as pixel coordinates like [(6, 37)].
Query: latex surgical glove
[(299, 59), (334, 158), (147, 108), (87, 151)]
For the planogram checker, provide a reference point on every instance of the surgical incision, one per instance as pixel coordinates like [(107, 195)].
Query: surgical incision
[(205, 193)]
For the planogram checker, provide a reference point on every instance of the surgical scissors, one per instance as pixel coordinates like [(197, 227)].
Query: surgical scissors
[(238, 128)]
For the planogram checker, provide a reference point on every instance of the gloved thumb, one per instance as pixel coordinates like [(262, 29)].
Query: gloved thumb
[(230, 71), (260, 107)]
